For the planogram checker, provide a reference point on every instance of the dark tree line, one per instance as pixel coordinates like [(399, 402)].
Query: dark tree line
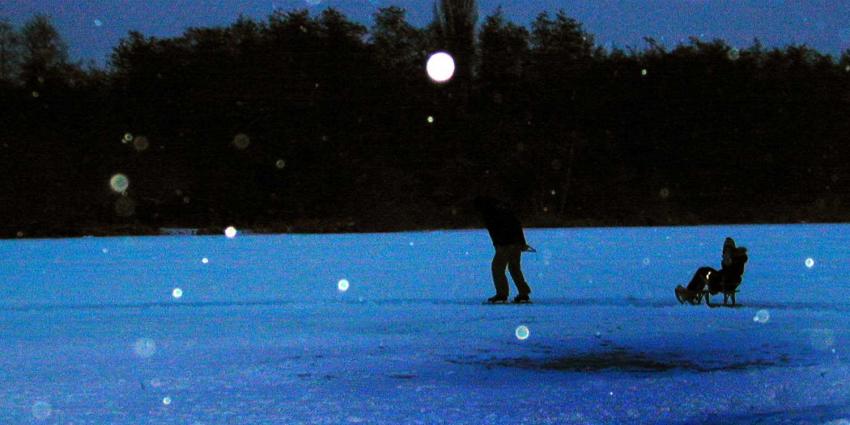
[(319, 123)]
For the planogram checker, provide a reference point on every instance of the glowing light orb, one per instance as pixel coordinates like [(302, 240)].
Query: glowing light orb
[(440, 67), (646, 261), (643, 72), (166, 401), (119, 183), (177, 293), (41, 410), (35, 94), (98, 22), (734, 54), (205, 260), (522, 332), (105, 251), (280, 164), (553, 192), (141, 143), (810, 262), (241, 141), (430, 119), (847, 68), (411, 243), (343, 285), (230, 232), (664, 193), (762, 316), (20, 234), (144, 347), (128, 137)]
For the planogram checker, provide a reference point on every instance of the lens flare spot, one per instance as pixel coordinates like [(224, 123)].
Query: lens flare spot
[(119, 183), (205, 260), (98, 23), (166, 401), (144, 347), (230, 232), (810, 262), (440, 67), (128, 137), (41, 410), (643, 72), (734, 54), (430, 119), (343, 285), (280, 164), (241, 141), (141, 143), (177, 293), (522, 332), (762, 316)]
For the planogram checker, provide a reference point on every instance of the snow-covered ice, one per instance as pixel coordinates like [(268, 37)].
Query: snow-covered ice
[(91, 333)]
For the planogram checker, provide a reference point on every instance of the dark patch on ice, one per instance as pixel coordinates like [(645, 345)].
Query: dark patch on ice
[(403, 376), (625, 361)]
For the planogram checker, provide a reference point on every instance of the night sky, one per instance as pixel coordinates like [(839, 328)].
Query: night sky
[(93, 28)]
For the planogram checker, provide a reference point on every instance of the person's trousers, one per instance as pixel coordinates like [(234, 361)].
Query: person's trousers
[(508, 256)]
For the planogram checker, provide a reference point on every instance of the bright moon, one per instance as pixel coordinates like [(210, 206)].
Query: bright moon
[(440, 67)]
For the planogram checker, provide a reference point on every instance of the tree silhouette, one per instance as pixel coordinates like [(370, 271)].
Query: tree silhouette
[(45, 54), (10, 52), (316, 123), (455, 22)]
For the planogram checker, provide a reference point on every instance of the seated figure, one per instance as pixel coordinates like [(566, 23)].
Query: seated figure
[(708, 281)]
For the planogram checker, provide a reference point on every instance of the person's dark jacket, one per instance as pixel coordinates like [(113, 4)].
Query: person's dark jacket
[(732, 268), (733, 271), (504, 227)]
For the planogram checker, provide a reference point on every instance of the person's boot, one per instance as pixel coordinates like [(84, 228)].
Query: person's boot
[(522, 299), (497, 299)]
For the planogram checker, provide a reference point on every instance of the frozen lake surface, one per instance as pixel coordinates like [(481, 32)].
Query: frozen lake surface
[(92, 331)]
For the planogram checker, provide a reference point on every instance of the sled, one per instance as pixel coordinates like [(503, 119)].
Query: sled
[(683, 295), (727, 295)]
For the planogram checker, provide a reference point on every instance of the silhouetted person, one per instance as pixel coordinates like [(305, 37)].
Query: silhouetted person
[(508, 239), (727, 278)]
